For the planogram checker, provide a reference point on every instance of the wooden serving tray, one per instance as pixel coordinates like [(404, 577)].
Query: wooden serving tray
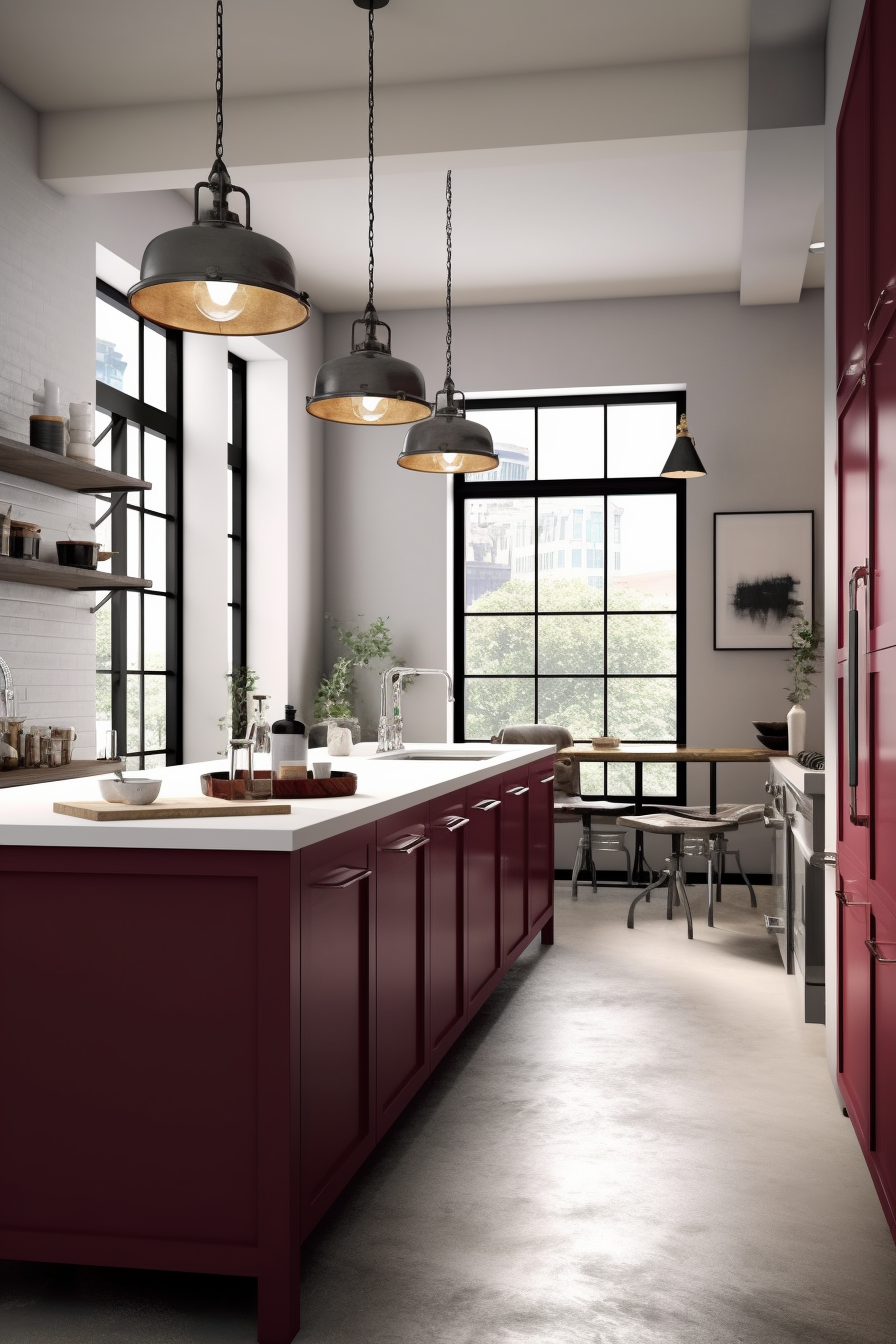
[(171, 809)]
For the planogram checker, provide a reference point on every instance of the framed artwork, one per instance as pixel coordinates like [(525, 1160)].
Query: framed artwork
[(763, 577)]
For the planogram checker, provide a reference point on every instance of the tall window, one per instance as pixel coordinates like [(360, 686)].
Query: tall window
[(138, 633), (236, 509), (570, 578)]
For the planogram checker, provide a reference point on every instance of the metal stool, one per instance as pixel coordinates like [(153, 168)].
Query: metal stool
[(677, 828), (591, 842), (718, 851)]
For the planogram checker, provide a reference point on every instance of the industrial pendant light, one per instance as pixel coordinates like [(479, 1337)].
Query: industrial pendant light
[(216, 275), (449, 442), (683, 463), (369, 386)]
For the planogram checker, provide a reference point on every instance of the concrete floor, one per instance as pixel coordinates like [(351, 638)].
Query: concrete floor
[(636, 1142)]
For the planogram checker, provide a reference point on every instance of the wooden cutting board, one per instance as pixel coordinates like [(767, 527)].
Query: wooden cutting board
[(170, 809)]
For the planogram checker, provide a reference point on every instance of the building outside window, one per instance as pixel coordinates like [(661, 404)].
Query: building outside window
[(138, 633), (590, 635)]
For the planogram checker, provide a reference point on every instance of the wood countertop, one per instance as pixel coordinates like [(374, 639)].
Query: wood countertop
[(634, 753)]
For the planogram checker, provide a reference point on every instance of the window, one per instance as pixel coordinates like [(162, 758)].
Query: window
[(138, 633), (236, 509), (591, 635)]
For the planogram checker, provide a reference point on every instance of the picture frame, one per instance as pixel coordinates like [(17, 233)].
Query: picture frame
[(763, 577)]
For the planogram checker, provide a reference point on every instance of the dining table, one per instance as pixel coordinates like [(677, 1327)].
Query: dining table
[(634, 753)]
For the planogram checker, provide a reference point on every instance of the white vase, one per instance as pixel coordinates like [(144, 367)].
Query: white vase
[(796, 730)]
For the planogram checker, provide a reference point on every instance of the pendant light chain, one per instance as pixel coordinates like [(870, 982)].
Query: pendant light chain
[(448, 288), (369, 154), (219, 84)]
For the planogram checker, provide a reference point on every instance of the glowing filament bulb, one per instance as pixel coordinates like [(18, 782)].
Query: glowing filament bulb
[(218, 300), (369, 409)]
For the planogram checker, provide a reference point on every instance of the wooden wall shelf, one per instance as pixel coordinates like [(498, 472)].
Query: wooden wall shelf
[(66, 472), (29, 774), (45, 575)]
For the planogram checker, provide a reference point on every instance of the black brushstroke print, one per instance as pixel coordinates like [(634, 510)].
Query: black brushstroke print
[(759, 599)]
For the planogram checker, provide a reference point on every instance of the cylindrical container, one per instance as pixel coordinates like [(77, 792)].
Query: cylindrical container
[(48, 432), (82, 554), (111, 745), (67, 737), (13, 731), (24, 540), (288, 741), (55, 751), (32, 747), (46, 747)]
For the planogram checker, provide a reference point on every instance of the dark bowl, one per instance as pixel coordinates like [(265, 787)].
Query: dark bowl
[(771, 729), (774, 742), (81, 554)]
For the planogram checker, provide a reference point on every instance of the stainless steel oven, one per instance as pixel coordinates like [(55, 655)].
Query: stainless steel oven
[(794, 817)]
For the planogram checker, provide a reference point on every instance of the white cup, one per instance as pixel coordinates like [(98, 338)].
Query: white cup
[(322, 769)]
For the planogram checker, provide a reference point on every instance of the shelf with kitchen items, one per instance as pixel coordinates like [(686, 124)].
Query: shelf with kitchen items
[(42, 774), (69, 473)]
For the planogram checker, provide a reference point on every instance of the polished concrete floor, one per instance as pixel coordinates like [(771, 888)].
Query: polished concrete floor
[(636, 1142)]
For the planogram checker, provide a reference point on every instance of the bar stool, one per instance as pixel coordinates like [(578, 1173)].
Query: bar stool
[(594, 842), (716, 846), (677, 828)]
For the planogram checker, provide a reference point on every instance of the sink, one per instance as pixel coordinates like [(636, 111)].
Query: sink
[(436, 756)]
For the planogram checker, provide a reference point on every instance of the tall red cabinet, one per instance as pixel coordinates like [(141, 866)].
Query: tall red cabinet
[(866, 635)]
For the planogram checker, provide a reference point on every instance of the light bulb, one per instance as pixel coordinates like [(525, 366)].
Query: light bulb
[(218, 300), (449, 459), (369, 409)]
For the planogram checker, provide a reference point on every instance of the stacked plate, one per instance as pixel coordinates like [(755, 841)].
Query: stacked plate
[(772, 734)]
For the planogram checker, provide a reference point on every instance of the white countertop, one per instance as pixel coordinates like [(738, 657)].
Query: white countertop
[(385, 786), (797, 776)]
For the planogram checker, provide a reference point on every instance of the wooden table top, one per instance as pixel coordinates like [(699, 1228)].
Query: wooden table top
[(670, 753)]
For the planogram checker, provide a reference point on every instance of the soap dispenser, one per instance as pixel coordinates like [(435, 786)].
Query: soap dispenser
[(288, 741)]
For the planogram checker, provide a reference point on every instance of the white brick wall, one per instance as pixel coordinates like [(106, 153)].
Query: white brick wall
[(47, 272)]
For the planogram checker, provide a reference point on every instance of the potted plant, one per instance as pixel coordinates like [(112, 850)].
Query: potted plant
[(334, 699), (805, 641)]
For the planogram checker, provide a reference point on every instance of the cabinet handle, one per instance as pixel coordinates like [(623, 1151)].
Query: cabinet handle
[(880, 298), (875, 951), (823, 859), (454, 823), (344, 877), (408, 844), (843, 898), (519, 790), (859, 575), (548, 779), (487, 804)]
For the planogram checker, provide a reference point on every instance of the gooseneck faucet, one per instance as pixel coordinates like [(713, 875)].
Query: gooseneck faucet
[(390, 735)]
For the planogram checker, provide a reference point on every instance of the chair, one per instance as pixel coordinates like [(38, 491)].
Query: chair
[(677, 828), (570, 806), (715, 846)]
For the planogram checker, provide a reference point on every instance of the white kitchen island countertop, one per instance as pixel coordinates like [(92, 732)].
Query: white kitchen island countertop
[(385, 786)]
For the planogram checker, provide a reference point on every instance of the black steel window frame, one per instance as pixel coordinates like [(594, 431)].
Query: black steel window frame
[(469, 488), (237, 464), (124, 408)]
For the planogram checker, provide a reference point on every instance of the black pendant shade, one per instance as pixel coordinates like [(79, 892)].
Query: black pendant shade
[(217, 276), (683, 462), (369, 386), (448, 442)]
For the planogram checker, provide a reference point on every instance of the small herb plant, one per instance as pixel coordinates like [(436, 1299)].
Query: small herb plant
[(241, 682), (373, 644), (806, 638)]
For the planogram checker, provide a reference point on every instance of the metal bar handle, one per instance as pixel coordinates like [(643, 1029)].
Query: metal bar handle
[(519, 790), (875, 951), (454, 823), (843, 898), (344, 877), (548, 779), (487, 804), (859, 574), (408, 844), (880, 298)]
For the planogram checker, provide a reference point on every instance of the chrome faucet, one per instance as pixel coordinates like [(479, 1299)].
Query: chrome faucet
[(7, 691), (390, 735)]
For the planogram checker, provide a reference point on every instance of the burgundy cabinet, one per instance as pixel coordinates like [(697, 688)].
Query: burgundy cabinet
[(402, 978), (448, 822), (541, 840), (883, 976), (337, 1006), (484, 804), (515, 862), (855, 1011), (878, 498), (853, 185)]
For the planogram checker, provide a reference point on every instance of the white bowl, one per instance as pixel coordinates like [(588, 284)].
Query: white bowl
[(135, 791)]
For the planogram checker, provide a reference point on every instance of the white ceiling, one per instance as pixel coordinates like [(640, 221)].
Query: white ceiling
[(598, 147), (64, 54)]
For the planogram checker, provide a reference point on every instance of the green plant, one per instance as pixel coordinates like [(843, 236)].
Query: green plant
[(241, 682), (806, 638), (335, 694)]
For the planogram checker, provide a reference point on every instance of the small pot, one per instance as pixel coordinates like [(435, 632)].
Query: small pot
[(82, 554), (24, 540)]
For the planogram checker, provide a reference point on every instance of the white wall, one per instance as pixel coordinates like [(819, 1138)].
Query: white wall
[(754, 382)]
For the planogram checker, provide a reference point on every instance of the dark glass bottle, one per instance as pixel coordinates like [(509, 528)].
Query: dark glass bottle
[(288, 740)]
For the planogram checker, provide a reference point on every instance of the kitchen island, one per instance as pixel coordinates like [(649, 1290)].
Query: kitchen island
[(207, 1025)]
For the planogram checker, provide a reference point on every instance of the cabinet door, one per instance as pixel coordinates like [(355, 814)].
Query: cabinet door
[(484, 807), (447, 921), (541, 839), (515, 861), (853, 281), (855, 1012), (402, 980), (883, 137), (882, 490), (337, 1005), (884, 989)]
